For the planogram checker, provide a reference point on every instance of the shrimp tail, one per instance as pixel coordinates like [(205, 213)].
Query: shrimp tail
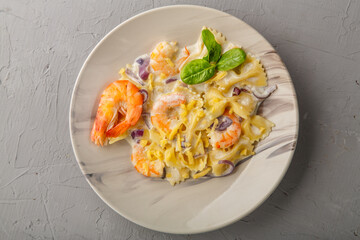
[(96, 136), (134, 115), (118, 129), (134, 102)]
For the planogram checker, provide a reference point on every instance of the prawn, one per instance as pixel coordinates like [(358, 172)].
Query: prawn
[(229, 136), (120, 107), (145, 166), (161, 58), (161, 111)]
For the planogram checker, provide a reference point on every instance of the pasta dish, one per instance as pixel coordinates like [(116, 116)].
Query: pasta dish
[(187, 112)]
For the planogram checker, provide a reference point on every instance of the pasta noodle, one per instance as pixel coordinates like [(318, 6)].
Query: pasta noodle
[(250, 73)]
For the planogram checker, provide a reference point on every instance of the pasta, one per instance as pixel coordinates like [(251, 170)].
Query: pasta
[(188, 130)]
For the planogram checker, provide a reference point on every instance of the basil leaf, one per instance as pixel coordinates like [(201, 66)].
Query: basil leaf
[(231, 59), (214, 49), (197, 71)]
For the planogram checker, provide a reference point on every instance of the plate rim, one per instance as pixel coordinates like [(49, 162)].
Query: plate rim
[(204, 229)]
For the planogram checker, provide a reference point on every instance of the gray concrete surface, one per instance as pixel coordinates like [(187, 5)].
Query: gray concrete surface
[(42, 192)]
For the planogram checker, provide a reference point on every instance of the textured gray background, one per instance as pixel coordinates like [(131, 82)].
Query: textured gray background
[(42, 192)]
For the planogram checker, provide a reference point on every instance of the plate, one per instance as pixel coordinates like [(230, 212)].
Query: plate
[(193, 206)]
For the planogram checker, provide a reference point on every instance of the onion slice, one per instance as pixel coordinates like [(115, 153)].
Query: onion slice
[(237, 91), (228, 171), (170, 80), (265, 93), (137, 133), (147, 120), (133, 77), (145, 95), (140, 61), (230, 168), (143, 68), (257, 106), (224, 123)]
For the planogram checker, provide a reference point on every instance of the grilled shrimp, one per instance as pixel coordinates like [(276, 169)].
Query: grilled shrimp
[(223, 138), (145, 166), (161, 116), (161, 58), (120, 107)]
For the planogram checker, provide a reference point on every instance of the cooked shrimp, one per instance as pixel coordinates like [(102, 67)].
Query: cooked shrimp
[(161, 58), (161, 115), (120, 107), (228, 137), (145, 166)]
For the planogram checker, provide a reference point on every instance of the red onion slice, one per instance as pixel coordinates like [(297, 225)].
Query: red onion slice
[(237, 91), (170, 80), (133, 77), (145, 95), (228, 171), (230, 168), (224, 123), (143, 68), (137, 133), (147, 120), (140, 61), (267, 91), (257, 107)]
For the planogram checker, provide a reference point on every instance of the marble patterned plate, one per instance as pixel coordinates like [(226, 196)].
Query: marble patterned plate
[(196, 205)]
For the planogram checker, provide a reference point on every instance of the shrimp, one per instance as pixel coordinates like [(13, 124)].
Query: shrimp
[(228, 137), (161, 116), (161, 58), (145, 166), (120, 107)]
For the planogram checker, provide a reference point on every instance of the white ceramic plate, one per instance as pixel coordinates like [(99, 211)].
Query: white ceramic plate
[(196, 205)]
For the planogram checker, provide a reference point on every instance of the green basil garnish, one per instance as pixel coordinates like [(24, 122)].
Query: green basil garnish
[(197, 71), (214, 49), (231, 59), (201, 70)]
